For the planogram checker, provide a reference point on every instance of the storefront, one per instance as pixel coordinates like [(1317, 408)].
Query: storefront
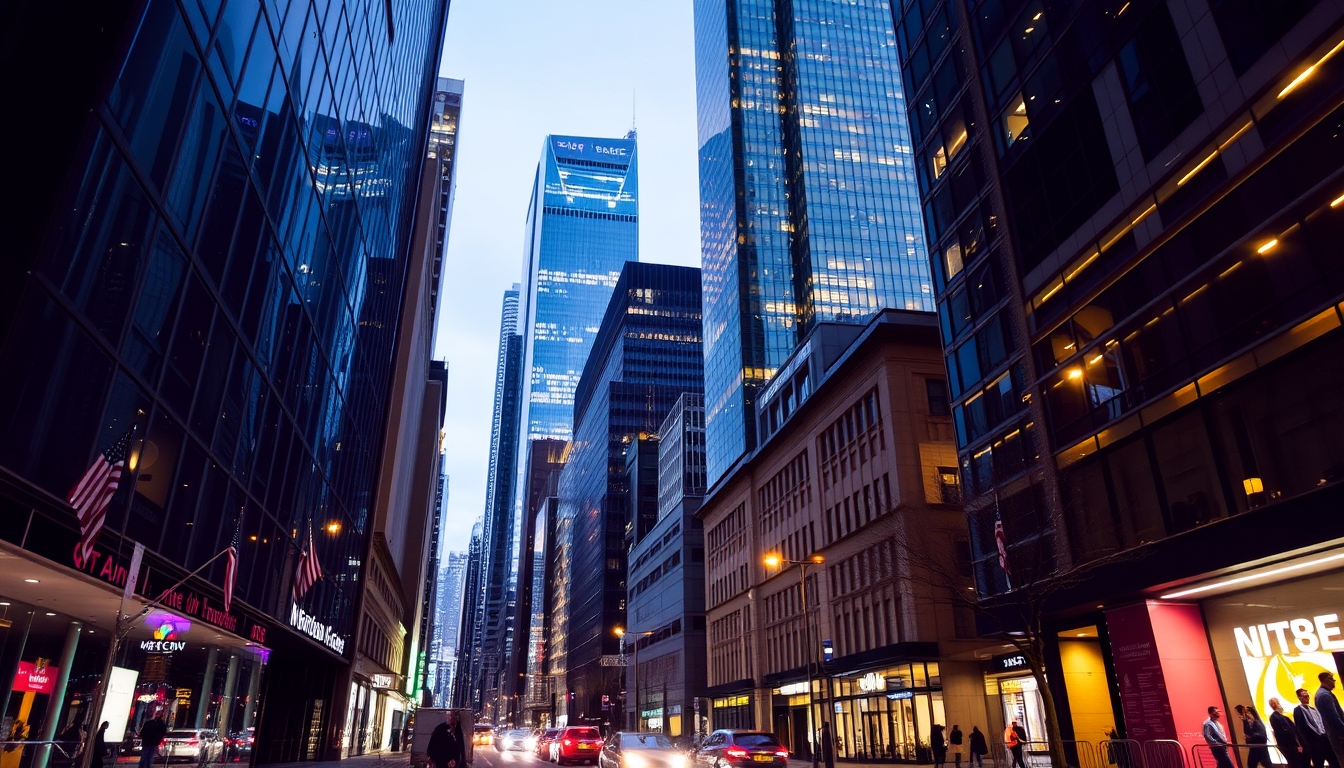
[(1009, 682), (178, 662), (1270, 641), (884, 715), (732, 712)]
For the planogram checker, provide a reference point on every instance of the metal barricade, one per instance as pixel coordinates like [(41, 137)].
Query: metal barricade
[(1164, 753), (1081, 754), (1121, 753), (1204, 756)]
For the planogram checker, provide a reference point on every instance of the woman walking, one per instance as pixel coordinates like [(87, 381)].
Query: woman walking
[(978, 748), (1256, 737)]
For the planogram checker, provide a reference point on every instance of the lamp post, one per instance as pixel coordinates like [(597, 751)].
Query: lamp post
[(773, 560), (634, 674)]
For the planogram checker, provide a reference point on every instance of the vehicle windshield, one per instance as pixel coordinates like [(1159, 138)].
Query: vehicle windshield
[(181, 734), (755, 740), (645, 741), (482, 728), (520, 734), (583, 733)]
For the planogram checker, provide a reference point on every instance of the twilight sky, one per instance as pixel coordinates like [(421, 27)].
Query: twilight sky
[(532, 68)]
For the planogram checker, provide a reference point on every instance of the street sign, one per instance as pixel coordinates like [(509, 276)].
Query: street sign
[(614, 660)]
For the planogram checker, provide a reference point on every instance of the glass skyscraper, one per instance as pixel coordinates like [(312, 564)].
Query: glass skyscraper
[(646, 356), (582, 226), (809, 209), (213, 246)]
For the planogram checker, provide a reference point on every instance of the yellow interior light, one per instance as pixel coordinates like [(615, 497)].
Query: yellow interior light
[(1267, 246), (1075, 373), (1253, 485), (1338, 201)]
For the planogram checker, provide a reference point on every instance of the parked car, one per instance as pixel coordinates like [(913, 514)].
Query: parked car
[(482, 734), (544, 740), (513, 740), (726, 748), (239, 745), (577, 744), (199, 745), (640, 750)]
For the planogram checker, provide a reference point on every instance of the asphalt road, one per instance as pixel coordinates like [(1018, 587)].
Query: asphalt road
[(488, 757)]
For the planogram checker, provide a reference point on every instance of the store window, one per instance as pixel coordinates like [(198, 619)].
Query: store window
[(884, 716)]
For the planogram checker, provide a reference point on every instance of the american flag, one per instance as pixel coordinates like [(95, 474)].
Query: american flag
[(1001, 539), (94, 492), (309, 571), (231, 563)]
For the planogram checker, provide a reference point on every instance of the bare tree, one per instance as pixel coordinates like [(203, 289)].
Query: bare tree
[(1036, 579)]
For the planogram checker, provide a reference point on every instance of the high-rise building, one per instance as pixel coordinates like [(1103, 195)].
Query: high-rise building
[(448, 624), (665, 587), (647, 353), (582, 227), (497, 533), (214, 248), (1136, 216), (446, 118), (808, 205), (463, 694)]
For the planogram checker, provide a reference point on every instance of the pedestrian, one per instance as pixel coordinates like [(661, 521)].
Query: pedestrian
[(1285, 735), (1257, 738), (152, 734), (955, 739), (939, 744), (1311, 732), (99, 746), (1013, 740), (1216, 738), (1332, 715), (978, 748), (827, 746)]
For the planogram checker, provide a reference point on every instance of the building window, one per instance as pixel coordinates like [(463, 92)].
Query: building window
[(1162, 95), (936, 389), (1250, 27)]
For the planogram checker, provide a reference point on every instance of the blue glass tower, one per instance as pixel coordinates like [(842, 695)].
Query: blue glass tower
[(809, 209), (582, 226), (647, 354)]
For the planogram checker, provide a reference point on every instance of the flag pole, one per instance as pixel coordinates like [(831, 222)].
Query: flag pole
[(119, 632)]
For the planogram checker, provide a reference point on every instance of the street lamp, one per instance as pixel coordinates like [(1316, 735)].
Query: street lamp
[(634, 674), (774, 560)]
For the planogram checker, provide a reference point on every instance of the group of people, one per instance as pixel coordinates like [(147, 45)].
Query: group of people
[(942, 741), (1311, 738)]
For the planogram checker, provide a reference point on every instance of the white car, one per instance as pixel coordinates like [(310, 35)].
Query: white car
[(200, 745)]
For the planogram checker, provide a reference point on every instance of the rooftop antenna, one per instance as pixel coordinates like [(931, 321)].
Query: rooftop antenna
[(633, 113)]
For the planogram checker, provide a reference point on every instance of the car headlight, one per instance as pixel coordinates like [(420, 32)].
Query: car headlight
[(634, 761), (531, 742), (676, 761)]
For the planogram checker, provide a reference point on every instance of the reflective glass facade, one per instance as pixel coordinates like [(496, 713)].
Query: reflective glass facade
[(809, 210), (218, 244), (1139, 282), (648, 352)]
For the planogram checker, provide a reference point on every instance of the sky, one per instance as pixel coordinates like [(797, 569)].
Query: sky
[(533, 68)]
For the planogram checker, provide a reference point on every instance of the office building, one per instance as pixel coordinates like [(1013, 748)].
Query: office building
[(448, 624), (665, 587), (1136, 210), (808, 207), (646, 354), (852, 491), (463, 694), (497, 534), (582, 227), (220, 219)]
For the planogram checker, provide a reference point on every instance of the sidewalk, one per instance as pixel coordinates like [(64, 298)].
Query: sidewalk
[(375, 760)]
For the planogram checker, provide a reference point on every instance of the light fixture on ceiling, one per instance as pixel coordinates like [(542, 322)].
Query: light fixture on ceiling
[(32, 581), (1255, 576)]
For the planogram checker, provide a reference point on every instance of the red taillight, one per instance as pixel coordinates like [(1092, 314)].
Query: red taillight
[(737, 752), (193, 743), (568, 743)]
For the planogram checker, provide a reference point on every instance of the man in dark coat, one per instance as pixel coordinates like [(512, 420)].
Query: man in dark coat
[(152, 735), (1285, 734), (446, 748)]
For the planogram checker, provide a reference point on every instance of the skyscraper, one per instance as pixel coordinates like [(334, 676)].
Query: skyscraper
[(448, 624), (496, 535), (646, 355), (1136, 216), (582, 227), (463, 694), (216, 246), (809, 210)]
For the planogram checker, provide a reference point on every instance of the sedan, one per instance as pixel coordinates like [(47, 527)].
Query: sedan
[(728, 748), (514, 740), (197, 746), (640, 750), (544, 741)]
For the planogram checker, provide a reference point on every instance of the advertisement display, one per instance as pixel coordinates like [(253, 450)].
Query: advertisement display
[(118, 705), (35, 678), (1271, 641)]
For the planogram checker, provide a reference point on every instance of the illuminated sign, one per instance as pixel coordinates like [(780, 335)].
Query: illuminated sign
[(167, 627), (1279, 657), (310, 626), (35, 678), (872, 682), (792, 689), (1010, 662), (898, 695), (381, 681), (162, 646), (572, 147)]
